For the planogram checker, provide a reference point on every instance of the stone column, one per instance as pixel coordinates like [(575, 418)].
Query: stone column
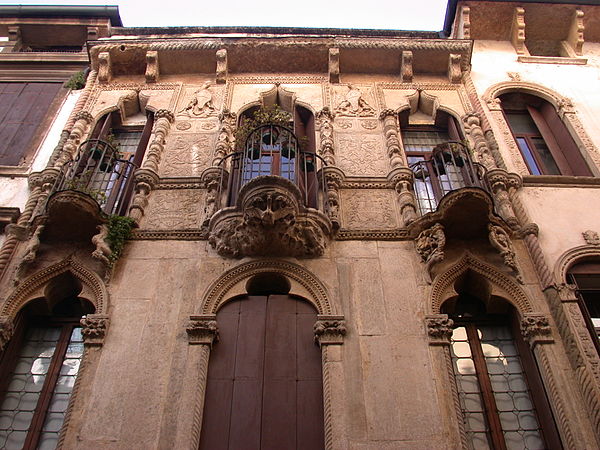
[(481, 149), (226, 138), (402, 179), (393, 143), (333, 180), (329, 334), (215, 180), (202, 331), (83, 119), (325, 125)]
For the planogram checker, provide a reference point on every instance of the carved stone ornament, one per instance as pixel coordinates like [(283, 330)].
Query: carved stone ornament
[(500, 240), (430, 245), (591, 237), (94, 329), (6, 331), (102, 251), (535, 329), (439, 329), (200, 105), (329, 330), (354, 105), (202, 330), (269, 220)]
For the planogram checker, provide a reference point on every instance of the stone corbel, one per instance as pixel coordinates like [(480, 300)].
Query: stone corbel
[(454, 69), (535, 329), (500, 240), (222, 66), (94, 329), (499, 181), (215, 179), (481, 148), (517, 34), (104, 67), (402, 180), (439, 329), (92, 33), (152, 67), (393, 143), (329, 330), (6, 331), (334, 65), (464, 24), (430, 246), (14, 37), (145, 180), (575, 38), (202, 330), (333, 180), (406, 67), (566, 292), (325, 123)]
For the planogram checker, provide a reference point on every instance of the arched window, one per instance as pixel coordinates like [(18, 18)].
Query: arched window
[(543, 139), (586, 277), (264, 387), (500, 391), (40, 365)]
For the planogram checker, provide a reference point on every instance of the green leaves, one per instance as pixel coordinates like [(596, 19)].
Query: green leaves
[(269, 115), (119, 230)]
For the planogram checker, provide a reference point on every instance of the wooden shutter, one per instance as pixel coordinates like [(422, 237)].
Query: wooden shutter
[(264, 388)]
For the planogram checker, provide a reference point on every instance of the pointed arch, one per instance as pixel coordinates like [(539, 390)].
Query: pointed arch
[(232, 283), (94, 288), (501, 285)]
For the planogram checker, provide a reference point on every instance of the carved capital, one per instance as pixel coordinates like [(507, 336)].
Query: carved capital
[(6, 331), (202, 330), (329, 330), (387, 113), (566, 292), (439, 329), (325, 114), (94, 329), (164, 114), (146, 176), (535, 329), (527, 229), (85, 116)]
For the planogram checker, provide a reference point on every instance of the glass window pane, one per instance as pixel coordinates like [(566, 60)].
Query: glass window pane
[(550, 167), (527, 153)]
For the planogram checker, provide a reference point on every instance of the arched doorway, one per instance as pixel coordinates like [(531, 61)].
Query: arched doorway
[(264, 387)]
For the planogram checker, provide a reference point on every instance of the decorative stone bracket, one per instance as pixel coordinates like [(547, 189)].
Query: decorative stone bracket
[(202, 330), (329, 330), (439, 329), (215, 181), (501, 182), (94, 329), (535, 329), (430, 246), (500, 240)]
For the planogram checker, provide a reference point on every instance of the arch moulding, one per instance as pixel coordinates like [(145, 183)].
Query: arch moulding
[(572, 257), (233, 283), (93, 290), (561, 103), (502, 286)]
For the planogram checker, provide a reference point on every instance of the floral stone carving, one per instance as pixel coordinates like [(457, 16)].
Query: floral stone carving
[(202, 330), (269, 219), (439, 329), (94, 328), (329, 330), (430, 245), (535, 329)]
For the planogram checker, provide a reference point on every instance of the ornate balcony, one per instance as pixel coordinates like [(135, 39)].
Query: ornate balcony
[(448, 169), (274, 195)]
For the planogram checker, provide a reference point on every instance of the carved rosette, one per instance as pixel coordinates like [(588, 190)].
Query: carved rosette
[(402, 179), (392, 138), (591, 237), (202, 330), (269, 220), (6, 331), (439, 329), (325, 123), (329, 330), (430, 246), (94, 329), (535, 329)]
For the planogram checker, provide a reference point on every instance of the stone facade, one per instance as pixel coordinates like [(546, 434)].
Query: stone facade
[(378, 267)]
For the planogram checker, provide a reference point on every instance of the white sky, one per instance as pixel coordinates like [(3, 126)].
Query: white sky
[(381, 14)]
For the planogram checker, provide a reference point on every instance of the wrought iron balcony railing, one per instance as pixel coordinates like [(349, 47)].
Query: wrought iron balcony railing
[(273, 150), (448, 168), (100, 173)]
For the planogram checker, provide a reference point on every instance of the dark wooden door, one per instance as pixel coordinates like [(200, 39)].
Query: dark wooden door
[(264, 388)]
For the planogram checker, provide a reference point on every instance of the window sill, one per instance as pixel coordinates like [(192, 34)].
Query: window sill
[(560, 181), (552, 60)]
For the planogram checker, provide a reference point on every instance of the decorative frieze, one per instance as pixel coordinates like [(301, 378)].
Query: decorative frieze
[(94, 328), (535, 329), (329, 330), (202, 330), (354, 104), (439, 329)]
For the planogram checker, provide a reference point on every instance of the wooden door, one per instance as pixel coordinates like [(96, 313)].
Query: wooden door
[(264, 387)]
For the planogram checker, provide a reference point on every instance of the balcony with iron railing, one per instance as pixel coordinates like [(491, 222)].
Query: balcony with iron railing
[(448, 169), (274, 192)]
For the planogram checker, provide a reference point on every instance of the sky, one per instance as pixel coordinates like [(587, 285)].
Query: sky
[(378, 14)]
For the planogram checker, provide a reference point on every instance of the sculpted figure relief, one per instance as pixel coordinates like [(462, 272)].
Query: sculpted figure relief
[(103, 251), (354, 105), (430, 245), (501, 242), (201, 104)]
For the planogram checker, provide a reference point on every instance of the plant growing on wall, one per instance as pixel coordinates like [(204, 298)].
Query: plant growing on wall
[(119, 230), (76, 82), (268, 115)]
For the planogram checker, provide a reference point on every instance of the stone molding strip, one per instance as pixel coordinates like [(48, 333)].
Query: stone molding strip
[(176, 235)]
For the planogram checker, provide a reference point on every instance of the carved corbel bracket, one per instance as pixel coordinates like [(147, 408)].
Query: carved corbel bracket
[(535, 329), (518, 31), (14, 36), (334, 65), (439, 329), (500, 240), (215, 180), (6, 331), (202, 330), (329, 330), (575, 38), (454, 68), (430, 246), (152, 67), (104, 67), (406, 66), (500, 182), (402, 179), (464, 26), (94, 329), (222, 66)]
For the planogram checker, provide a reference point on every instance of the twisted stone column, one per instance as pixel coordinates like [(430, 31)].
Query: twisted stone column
[(392, 138), (325, 123), (481, 149), (83, 120), (402, 180), (226, 138)]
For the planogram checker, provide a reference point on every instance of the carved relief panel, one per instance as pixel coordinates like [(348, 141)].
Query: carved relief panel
[(187, 154), (197, 102), (369, 209), (361, 154), (354, 100), (174, 209)]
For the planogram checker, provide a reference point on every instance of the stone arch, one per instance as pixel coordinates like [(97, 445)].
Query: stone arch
[(562, 104), (232, 283), (31, 288), (571, 257), (501, 285)]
